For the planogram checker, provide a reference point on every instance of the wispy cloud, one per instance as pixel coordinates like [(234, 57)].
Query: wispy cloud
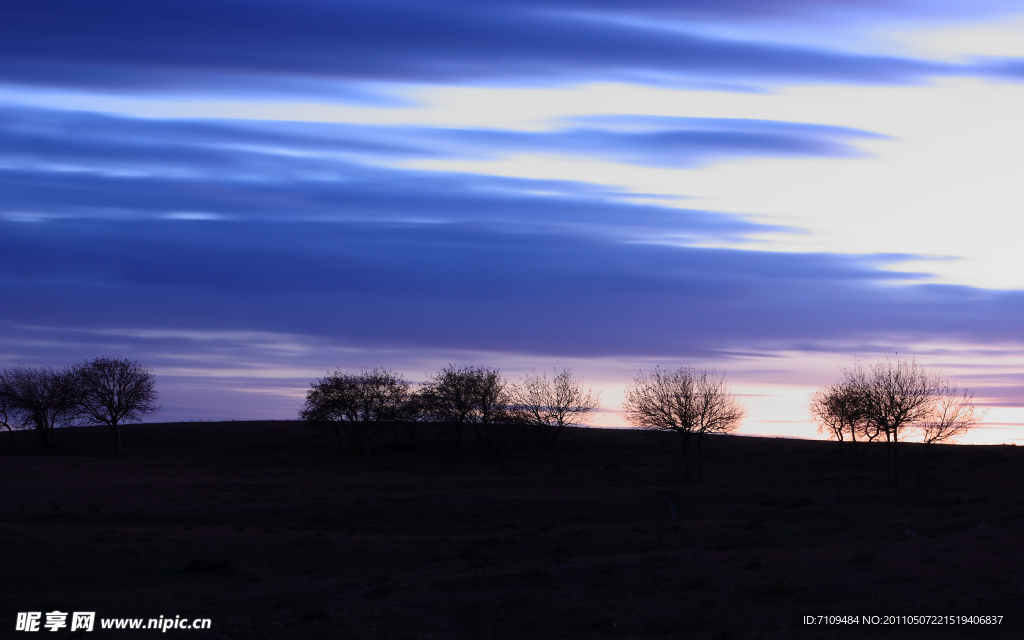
[(244, 46), (468, 286), (46, 139)]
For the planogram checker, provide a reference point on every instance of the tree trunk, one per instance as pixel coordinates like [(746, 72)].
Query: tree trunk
[(892, 462), (920, 463), (685, 459), (558, 458), (48, 439), (117, 436), (363, 439), (337, 436), (895, 463), (889, 464), (853, 444), (14, 445), (700, 468), (41, 430)]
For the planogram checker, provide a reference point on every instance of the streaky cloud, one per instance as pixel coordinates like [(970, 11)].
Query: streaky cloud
[(44, 138), (470, 286), (232, 46), (69, 164), (365, 196)]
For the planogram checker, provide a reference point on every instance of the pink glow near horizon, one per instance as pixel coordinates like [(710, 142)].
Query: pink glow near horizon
[(774, 389)]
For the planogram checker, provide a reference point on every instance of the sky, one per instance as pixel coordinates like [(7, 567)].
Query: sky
[(244, 196)]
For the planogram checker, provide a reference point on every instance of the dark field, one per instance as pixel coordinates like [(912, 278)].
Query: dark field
[(269, 531)]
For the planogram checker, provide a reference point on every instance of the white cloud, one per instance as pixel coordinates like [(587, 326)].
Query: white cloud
[(944, 184), (1004, 37)]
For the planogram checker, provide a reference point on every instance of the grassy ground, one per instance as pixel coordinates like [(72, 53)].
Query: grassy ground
[(268, 530)]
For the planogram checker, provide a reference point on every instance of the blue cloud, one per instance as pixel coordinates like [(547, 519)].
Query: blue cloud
[(67, 164), (257, 46), (465, 286), (472, 258), (305, 154), (379, 196), (684, 142)]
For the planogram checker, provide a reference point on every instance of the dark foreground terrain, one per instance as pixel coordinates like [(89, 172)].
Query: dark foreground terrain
[(266, 529)]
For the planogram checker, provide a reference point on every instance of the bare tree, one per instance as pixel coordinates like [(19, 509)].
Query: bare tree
[(41, 396), (892, 401), (827, 410), (476, 396), (498, 428), (113, 391), (664, 400), (718, 410), (838, 411), (412, 421), (953, 414), (450, 396), (552, 405), (898, 395), (686, 402), (356, 404)]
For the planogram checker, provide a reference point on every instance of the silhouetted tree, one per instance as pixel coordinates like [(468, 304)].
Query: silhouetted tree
[(551, 405), (356, 404), (838, 410), (685, 402), (718, 410), (476, 396), (41, 396), (412, 422), (953, 414), (6, 417), (113, 391), (450, 396), (498, 427), (895, 398)]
